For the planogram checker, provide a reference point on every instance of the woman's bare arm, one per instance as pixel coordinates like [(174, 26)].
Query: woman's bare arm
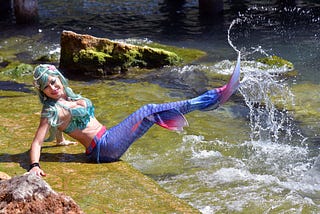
[(35, 150)]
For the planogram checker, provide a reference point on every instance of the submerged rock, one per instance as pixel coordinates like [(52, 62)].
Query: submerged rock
[(278, 65), (100, 56), (306, 107), (31, 194), (277, 62)]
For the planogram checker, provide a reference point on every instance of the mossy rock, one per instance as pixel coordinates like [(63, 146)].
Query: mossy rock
[(100, 56), (276, 61), (20, 70), (283, 67), (188, 55)]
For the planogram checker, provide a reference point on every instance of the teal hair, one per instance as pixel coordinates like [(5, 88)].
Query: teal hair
[(49, 110)]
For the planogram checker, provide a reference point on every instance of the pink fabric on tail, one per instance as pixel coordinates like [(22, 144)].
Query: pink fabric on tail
[(233, 84), (170, 119)]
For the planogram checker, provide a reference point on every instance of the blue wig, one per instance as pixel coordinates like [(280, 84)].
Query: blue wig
[(49, 110)]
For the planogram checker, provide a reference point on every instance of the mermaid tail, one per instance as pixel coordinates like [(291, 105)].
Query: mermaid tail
[(233, 83), (168, 115), (170, 119), (214, 98), (173, 118)]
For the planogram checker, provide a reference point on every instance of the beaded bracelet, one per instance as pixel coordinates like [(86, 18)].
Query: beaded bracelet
[(33, 165)]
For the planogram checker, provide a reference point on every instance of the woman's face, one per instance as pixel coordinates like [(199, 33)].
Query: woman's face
[(54, 88)]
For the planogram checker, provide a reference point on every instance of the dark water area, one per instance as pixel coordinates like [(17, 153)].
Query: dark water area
[(289, 30), (14, 86)]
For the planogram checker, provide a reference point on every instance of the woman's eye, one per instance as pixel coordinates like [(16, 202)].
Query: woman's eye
[(52, 82)]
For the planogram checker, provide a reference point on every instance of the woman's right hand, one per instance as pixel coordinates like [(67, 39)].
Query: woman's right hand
[(39, 172)]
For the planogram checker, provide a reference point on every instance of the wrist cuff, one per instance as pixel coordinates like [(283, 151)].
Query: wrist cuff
[(34, 165)]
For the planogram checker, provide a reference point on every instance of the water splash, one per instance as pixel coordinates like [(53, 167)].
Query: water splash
[(267, 95), (236, 21)]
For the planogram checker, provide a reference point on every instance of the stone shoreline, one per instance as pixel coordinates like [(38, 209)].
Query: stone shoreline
[(132, 192)]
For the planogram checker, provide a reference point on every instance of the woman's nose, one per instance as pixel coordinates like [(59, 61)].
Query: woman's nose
[(52, 86)]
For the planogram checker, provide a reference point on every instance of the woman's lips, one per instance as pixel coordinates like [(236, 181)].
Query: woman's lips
[(55, 92)]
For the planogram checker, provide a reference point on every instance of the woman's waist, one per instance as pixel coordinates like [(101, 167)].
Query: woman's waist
[(95, 140), (86, 136)]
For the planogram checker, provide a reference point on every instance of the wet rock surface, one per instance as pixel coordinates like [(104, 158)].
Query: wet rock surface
[(31, 194)]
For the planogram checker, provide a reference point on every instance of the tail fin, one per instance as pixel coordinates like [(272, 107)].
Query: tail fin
[(233, 84), (170, 119), (215, 97)]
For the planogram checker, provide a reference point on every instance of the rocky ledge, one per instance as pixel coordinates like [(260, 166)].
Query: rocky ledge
[(31, 194)]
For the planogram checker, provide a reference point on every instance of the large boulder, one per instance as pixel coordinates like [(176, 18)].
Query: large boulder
[(100, 56), (31, 194)]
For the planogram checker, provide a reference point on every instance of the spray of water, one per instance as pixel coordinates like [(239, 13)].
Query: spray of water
[(267, 95), (235, 21)]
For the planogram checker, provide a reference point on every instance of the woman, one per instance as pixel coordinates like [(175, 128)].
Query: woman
[(65, 111)]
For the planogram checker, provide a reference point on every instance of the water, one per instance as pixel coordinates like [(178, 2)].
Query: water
[(249, 155)]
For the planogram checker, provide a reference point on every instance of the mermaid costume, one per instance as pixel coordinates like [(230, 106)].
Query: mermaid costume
[(110, 144), (80, 116)]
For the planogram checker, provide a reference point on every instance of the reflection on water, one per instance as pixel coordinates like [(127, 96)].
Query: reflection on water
[(289, 30), (236, 159)]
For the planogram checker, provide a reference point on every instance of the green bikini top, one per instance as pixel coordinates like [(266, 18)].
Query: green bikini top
[(80, 116)]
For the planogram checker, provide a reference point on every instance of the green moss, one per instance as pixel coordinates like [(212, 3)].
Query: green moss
[(91, 56), (129, 58), (276, 61), (126, 57), (20, 70), (10, 94), (187, 55), (157, 57)]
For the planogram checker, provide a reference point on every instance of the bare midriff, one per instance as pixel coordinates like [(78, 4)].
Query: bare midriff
[(86, 135)]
